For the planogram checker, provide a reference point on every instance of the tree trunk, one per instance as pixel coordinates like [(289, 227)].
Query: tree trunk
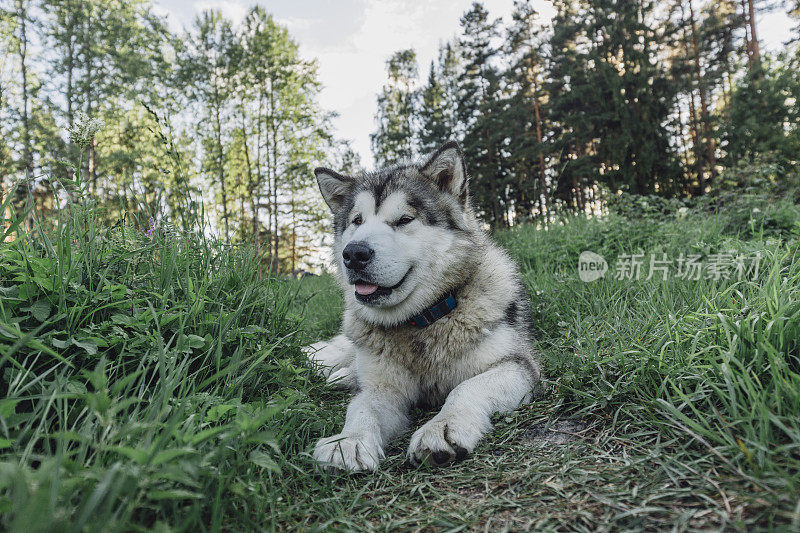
[(294, 231), (696, 150), (542, 175), (268, 176), (70, 92), (259, 176), (5, 214), (27, 152), (276, 235), (23, 192), (90, 162), (242, 217), (250, 178), (747, 44), (70, 65), (576, 187), (221, 162), (274, 164), (710, 155), (495, 203), (575, 202), (696, 144), (91, 173), (753, 36), (537, 116), (683, 140)]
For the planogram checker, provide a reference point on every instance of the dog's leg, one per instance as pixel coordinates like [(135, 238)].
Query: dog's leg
[(335, 359), (375, 415), (466, 415)]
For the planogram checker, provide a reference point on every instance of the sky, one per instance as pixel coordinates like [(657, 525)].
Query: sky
[(352, 39)]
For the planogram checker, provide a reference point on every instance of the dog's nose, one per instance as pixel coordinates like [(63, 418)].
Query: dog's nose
[(357, 254)]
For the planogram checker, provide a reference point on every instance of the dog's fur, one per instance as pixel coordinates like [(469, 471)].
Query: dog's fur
[(475, 361)]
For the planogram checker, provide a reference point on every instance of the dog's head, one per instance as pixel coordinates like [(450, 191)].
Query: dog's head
[(404, 235)]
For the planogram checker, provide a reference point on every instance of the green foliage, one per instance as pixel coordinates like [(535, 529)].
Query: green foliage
[(478, 112), (763, 115), (650, 208), (144, 374), (766, 174)]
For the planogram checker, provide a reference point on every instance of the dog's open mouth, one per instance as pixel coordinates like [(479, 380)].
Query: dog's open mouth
[(368, 292)]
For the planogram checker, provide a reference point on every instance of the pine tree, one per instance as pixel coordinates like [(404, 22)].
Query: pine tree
[(523, 117), (479, 107), (633, 146), (437, 114), (394, 139), (763, 116), (612, 99), (702, 89), (720, 30), (571, 93), (432, 121), (751, 35)]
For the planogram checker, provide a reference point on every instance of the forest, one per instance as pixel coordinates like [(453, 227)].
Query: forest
[(649, 98), (220, 120), (673, 99)]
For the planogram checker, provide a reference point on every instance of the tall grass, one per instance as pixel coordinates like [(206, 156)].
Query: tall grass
[(147, 377), (153, 380), (715, 363)]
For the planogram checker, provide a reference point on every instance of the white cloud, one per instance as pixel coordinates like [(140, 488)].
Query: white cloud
[(294, 24), (232, 9), (352, 66)]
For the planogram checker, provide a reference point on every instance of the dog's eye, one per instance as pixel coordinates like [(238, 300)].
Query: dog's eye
[(357, 221), (405, 219)]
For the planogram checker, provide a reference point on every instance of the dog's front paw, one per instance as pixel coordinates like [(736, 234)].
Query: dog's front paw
[(443, 440), (348, 452)]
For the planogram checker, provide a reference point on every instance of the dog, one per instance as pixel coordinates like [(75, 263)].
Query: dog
[(435, 314)]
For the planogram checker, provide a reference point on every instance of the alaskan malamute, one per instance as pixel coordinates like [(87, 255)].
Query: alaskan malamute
[(435, 314)]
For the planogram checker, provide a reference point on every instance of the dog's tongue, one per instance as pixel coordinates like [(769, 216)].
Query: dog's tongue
[(365, 289)]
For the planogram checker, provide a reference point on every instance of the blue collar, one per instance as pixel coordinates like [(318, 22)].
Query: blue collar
[(432, 314)]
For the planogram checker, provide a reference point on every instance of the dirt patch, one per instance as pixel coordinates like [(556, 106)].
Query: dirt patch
[(556, 432)]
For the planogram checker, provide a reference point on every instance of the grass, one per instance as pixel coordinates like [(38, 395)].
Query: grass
[(156, 383)]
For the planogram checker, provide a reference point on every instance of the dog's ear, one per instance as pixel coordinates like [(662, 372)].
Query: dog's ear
[(333, 186), (445, 167)]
